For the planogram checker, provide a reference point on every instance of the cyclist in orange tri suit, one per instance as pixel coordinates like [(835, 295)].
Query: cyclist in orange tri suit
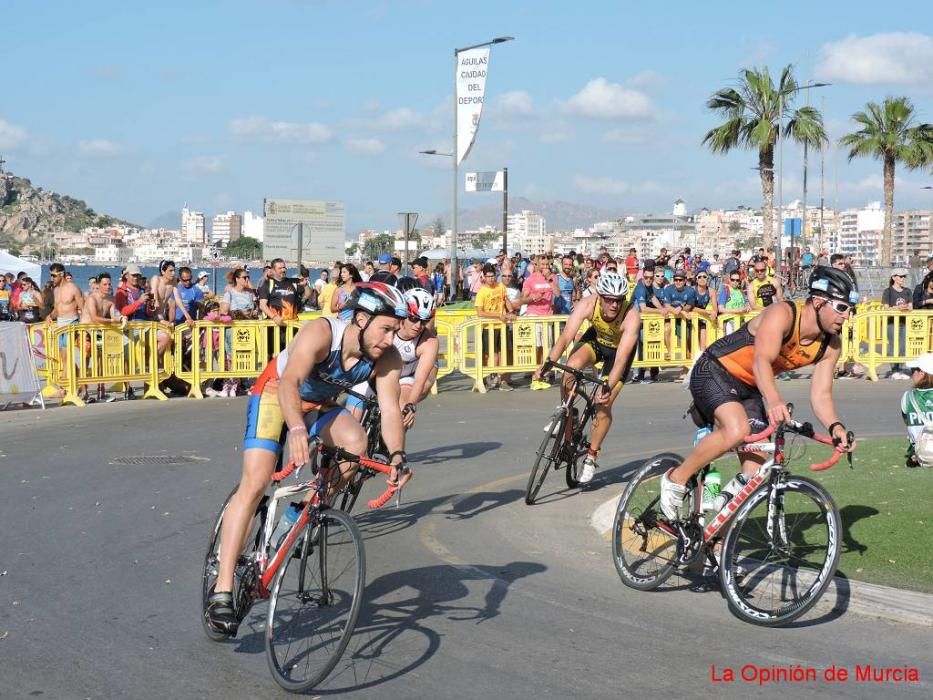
[(734, 378)]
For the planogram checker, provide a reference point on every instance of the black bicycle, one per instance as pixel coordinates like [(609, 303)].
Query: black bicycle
[(565, 441)]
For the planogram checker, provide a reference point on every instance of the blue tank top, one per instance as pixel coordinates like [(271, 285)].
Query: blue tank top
[(566, 293), (319, 386)]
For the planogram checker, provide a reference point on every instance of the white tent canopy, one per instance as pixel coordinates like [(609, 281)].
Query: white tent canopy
[(10, 263), (441, 254)]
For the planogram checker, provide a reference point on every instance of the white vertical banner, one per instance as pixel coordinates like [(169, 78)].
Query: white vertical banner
[(471, 88)]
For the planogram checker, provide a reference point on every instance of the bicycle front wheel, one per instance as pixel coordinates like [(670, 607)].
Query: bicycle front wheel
[(645, 553), (315, 601), (781, 552), (548, 455)]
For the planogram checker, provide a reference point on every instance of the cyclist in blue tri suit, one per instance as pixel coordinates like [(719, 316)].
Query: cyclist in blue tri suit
[(303, 377)]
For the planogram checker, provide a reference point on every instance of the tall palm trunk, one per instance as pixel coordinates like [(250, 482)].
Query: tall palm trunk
[(886, 232), (766, 173)]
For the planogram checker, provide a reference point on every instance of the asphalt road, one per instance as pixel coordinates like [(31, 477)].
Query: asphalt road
[(470, 593)]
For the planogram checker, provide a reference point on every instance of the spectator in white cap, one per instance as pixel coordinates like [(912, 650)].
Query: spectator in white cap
[(917, 411), (897, 297), (203, 284)]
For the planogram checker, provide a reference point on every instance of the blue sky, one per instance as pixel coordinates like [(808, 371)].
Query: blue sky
[(140, 108)]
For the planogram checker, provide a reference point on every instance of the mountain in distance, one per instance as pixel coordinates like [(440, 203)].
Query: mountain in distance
[(558, 215), (170, 220), (28, 213)]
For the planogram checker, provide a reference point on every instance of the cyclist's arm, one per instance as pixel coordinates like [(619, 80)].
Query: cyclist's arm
[(631, 327), (427, 355), (582, 310), (821, 390), (772, 325), (388, 371), (309, 347), (779, 295)]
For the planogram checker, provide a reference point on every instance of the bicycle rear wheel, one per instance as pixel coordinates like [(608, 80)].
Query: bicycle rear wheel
[(777, 562), (645, 554), (212, 564), (548, 455), (315, 601)]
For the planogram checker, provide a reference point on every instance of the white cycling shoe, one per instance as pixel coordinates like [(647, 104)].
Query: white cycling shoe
[(589, 470), (673, 498)]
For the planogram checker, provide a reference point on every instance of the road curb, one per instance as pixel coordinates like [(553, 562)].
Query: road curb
[(862, 598)]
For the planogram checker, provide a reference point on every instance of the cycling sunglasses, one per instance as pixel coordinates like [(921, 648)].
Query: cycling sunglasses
[(841, 307), (417, 319)]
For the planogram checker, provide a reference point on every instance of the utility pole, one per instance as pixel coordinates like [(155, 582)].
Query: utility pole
[(1, 163)]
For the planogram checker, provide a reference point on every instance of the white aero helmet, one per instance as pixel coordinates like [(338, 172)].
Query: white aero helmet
[(421, 302), (611, 284)]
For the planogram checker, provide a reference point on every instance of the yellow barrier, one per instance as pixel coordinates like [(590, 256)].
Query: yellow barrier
[(82, 355), (891, 337), (209, 350), (89, 354)]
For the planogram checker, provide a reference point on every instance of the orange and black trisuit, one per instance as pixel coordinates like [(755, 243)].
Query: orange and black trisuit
[(724, 372)]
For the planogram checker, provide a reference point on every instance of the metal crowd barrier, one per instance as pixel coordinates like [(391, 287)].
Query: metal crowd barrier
[(85, 355)]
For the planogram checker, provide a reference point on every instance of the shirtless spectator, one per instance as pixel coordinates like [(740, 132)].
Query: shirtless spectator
[(67, 305), (99, 308), (162, 288)]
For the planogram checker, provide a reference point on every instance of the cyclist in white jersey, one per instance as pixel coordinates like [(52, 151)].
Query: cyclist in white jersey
[(417, 345)]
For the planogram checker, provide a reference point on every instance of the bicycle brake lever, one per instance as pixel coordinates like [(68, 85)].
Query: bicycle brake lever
[(850, 437)]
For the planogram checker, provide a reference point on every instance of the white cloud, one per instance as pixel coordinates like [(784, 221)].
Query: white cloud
[(99, 148), (401, 118), (11, 136), (268, 131), (369, 147), (203, 165), (600, 99), (644, 80), (516, 103), (896, 58)]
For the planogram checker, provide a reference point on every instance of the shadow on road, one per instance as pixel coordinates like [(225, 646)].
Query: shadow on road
[(473, 504), (603, 478), (447, 453), (404, 618)]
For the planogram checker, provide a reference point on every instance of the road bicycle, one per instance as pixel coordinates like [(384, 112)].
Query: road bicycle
[(313, 577), (566, 441), (779, 535)]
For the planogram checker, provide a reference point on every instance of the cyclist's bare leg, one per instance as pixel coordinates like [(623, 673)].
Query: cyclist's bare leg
[(258, 465), (346, 432), (731, 430), (602, 420), (584, 357)]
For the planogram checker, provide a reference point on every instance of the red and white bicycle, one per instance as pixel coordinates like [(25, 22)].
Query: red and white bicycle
[(779, 535)]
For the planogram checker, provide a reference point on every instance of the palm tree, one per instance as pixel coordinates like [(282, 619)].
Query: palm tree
[(752, 118), (888, 133)]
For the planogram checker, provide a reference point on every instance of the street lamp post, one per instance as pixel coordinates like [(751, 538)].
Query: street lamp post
[(452, 249)]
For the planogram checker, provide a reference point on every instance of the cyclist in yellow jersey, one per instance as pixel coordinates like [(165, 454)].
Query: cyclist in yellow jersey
[(735, 377), (612, 335)]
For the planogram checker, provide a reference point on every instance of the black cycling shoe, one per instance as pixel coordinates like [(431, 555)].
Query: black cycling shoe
[(220, 613)]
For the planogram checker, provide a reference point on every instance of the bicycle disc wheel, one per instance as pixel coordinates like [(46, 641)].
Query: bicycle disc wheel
[(548, 456), (315, 601), (776, 566), (645, 554), (212, 559)]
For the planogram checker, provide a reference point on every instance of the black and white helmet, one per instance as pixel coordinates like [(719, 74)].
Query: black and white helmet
[(378, 299), (611, 284), (422, 301), (830, 283)]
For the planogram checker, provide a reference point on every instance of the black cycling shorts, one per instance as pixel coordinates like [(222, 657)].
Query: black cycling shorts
[(602, 353), (712, 386)]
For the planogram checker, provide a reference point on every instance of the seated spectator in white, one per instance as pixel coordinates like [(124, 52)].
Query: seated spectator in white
[(917, 411)]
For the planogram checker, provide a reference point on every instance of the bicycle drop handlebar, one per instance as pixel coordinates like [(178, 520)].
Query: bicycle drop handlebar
[(578, 374), (806, 430), (343, 455)]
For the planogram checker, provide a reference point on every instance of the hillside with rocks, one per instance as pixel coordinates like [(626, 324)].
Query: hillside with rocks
[(27, 213)]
